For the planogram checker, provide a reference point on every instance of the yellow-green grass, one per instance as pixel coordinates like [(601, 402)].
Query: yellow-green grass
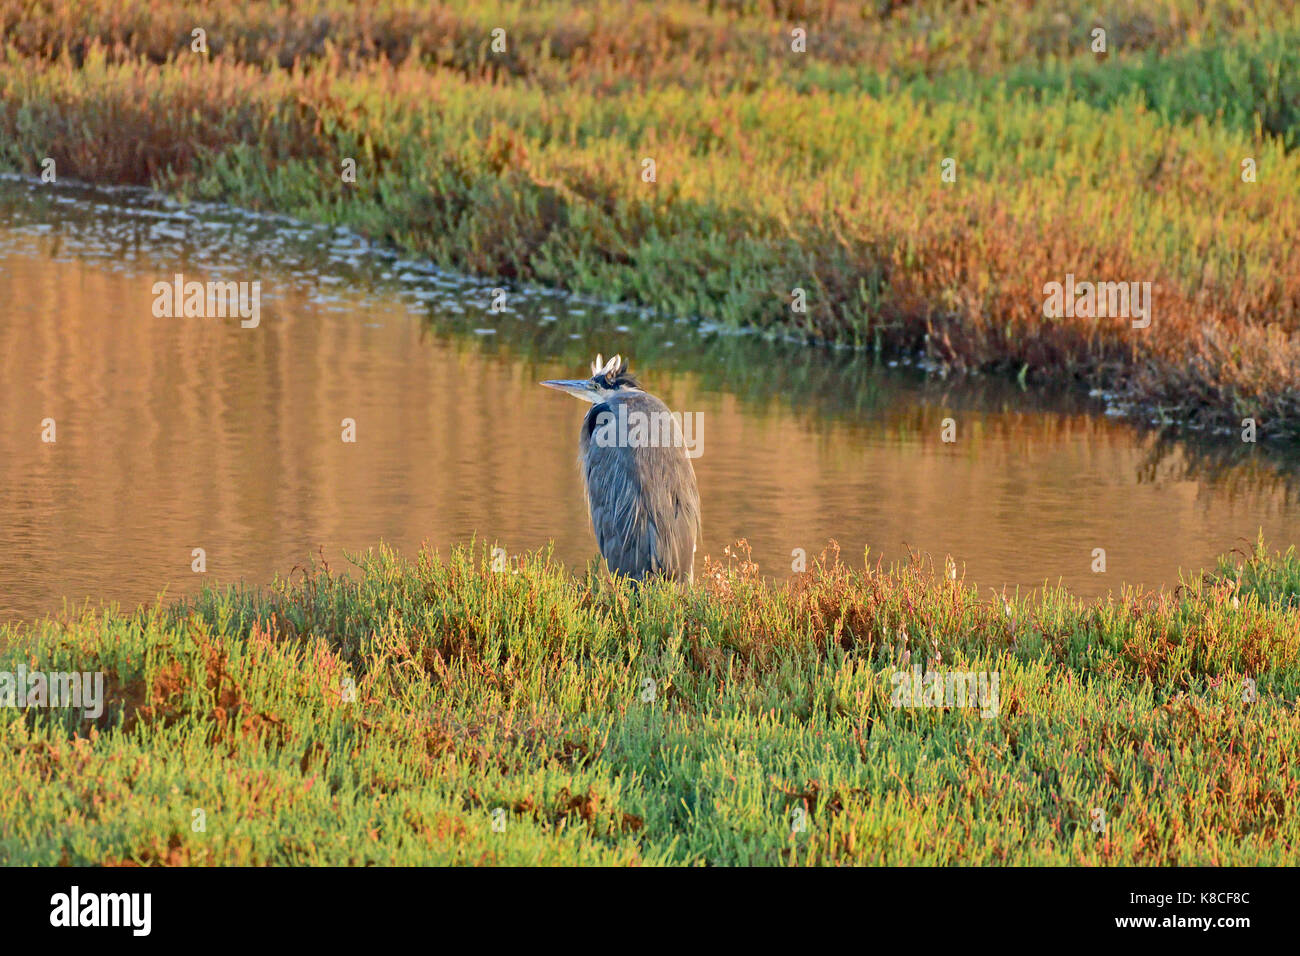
[(614, 44), (527, 692), (775, 170)]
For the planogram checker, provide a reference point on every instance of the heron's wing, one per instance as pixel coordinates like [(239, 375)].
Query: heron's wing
[(645, 507)]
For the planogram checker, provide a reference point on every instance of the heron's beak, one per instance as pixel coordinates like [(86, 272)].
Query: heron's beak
[(582, 388)]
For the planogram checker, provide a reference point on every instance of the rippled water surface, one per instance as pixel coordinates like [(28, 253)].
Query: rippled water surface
[(183, 433)]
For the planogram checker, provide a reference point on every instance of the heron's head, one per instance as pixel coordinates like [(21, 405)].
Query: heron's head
[(606, 378)]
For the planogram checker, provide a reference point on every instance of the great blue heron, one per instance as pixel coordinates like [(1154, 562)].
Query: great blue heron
[(645, 508)]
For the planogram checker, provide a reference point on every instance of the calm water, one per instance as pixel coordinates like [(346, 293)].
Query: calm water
[(183, 433)]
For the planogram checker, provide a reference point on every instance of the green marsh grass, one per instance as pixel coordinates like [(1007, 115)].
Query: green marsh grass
[(525, 691)]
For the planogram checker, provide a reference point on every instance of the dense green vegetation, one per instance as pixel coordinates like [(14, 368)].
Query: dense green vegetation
[(775, 170), (383, 716)]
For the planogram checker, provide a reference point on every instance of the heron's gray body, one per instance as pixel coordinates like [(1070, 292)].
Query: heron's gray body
[(644, 504)]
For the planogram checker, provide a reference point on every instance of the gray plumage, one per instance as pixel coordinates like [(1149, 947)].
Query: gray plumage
[(642, 496)]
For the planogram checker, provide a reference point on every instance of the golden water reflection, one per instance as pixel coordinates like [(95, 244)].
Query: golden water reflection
[(176, 434)]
